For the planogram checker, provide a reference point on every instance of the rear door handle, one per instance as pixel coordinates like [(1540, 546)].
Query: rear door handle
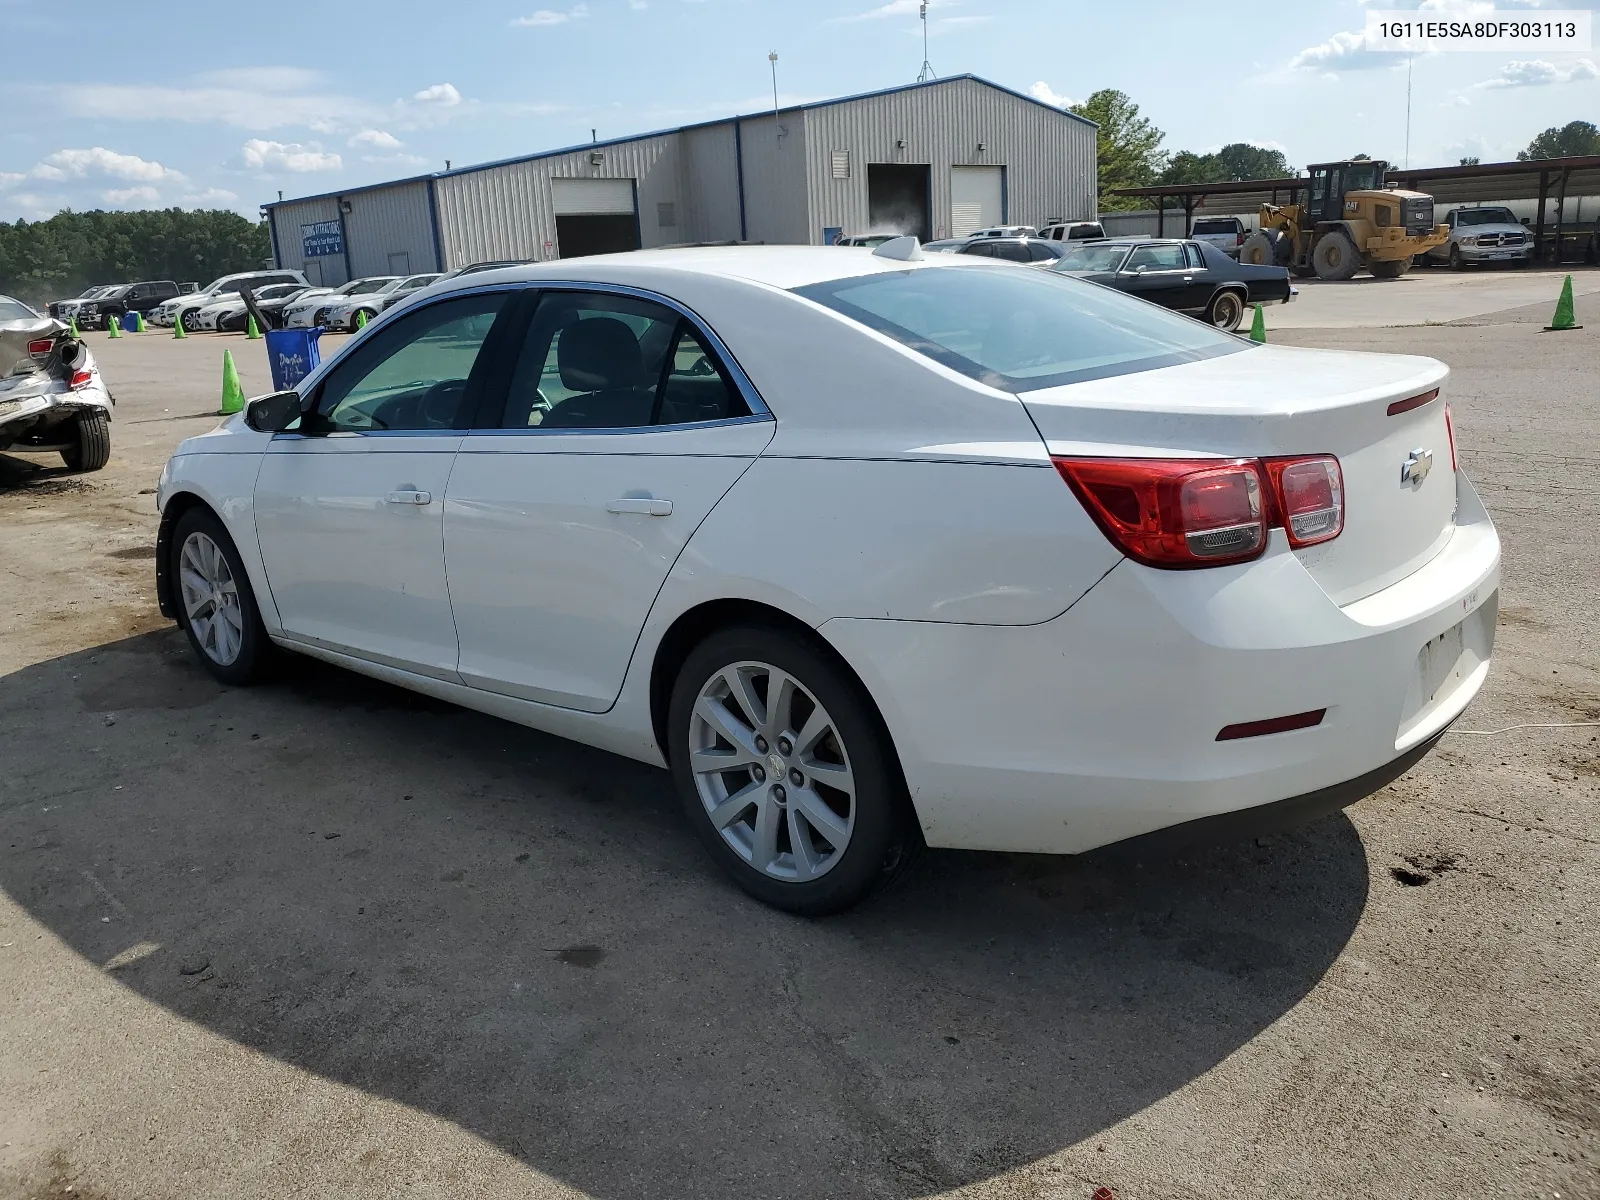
[(642, 505), (409, 496)]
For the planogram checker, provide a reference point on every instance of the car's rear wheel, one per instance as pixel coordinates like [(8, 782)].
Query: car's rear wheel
[(786, 772), (91, 442), (1226, 311), (217, 607)]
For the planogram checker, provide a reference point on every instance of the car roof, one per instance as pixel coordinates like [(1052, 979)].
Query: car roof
[(785, 267)]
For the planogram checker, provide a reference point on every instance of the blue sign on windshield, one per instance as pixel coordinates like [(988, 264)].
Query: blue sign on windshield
[(322, 239)]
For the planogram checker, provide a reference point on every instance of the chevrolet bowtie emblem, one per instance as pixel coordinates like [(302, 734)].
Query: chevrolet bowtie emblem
[(1416, 467)]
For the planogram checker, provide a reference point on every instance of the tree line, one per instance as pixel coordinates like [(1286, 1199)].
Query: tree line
[(46, 260), (1131, 153)]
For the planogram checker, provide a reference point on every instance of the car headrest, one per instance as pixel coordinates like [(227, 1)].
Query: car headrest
[(597, 354)]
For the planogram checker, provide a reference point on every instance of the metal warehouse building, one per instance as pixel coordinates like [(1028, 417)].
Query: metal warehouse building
[(938, 159)]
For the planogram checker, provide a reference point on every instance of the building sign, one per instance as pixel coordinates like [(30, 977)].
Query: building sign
[(322, 239)]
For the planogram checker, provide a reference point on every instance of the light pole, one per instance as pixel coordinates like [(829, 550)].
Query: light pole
[(772, 57), (927, 68)]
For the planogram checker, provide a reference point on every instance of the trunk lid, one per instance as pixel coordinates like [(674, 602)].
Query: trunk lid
[(1275, 400), (16, 360)]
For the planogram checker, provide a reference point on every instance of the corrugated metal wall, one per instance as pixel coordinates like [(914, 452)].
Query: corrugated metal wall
[(505, 211), (392, 221), (708, 168), (1049, 157), (287, 219), (775, 193)]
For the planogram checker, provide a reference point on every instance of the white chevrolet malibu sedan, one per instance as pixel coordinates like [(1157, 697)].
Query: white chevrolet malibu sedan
[(865, 547)]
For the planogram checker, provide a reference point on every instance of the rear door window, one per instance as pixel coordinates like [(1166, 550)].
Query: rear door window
[(1165, 257)]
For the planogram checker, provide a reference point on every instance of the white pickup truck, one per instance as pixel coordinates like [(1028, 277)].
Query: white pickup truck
[(1225, 233), (1483, 234)]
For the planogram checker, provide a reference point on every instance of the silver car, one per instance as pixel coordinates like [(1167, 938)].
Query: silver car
[(51, 394)]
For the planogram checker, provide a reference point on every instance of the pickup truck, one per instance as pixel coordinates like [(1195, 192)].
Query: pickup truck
[(1482, 235), (1225, 233)]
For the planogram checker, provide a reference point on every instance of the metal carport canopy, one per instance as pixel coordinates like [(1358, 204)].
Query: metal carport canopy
[(1535, 179)]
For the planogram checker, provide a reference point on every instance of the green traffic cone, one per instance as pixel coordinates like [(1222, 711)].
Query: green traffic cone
[(232, 393), (72, 327), (136, 321), (115, 329), (1564, 318), (361, 319), (250, 330), (1258, 326), (177, 326)]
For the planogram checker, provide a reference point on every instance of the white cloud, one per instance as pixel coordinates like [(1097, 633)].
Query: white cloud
[(259, 155), (1539, 73), (444, 95), (949, 25), (376, 139), (403, 160), (134, 197), (80, 164), (1344, 52), (1043, 91), (546, 17), (243, 107)]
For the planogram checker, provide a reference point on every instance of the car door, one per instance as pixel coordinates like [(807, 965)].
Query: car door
[(1203, 278), (349, 508), (624, 423), (1158, 272)]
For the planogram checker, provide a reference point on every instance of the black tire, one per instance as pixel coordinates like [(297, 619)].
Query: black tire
[(91, 442), (884, 836), (1226, 310), (1457, 263), (256, 651), (1335, 257), (1391, 270), (191, 320)]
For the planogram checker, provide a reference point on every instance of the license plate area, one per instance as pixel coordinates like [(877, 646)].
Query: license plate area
[(1444, 665)]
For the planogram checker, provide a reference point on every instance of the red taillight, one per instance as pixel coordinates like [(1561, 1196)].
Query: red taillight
[(1450, 431), (1173, 513), (1250, 729), (41, 347), (1177, 513), (1309, 496), (81, 379)]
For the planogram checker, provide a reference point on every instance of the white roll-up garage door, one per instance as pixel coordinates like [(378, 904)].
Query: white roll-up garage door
[(592, 197), (977, 198)]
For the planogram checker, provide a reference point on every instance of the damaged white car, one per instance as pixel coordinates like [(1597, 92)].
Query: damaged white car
[(51, 393)]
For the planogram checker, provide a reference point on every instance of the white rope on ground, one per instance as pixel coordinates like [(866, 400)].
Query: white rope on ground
[(1514, 728)]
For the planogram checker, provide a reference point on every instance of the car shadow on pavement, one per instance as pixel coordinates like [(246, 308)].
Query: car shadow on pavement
[(521, 936)]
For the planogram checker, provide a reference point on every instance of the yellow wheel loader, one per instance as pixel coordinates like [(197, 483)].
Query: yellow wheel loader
[(1344, 220)]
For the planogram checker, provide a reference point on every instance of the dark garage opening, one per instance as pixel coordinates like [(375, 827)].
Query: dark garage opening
[(897, 199), (597, 234)]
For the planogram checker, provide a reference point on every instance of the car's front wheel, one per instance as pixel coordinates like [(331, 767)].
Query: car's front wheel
[(217, 607), (786, 771), (191, 321)]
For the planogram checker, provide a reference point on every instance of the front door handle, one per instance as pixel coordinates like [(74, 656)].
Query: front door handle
[(409, 496), (642, 505)]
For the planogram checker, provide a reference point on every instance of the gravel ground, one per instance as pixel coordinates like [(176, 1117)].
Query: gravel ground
[(328, 938)]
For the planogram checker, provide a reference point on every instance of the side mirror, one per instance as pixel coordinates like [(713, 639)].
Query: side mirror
[(273, 413)]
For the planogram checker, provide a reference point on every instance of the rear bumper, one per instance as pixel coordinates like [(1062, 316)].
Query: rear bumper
[(1102, 724)]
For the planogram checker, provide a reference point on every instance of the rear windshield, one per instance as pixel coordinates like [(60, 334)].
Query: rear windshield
[(1217, 225), (1021, 330), (15, 310)]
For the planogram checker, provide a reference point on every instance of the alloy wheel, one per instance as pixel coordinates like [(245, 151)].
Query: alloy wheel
[(211, 599), (773, 772)]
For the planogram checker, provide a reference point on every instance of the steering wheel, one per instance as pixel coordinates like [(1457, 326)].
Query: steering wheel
[(439, 405)]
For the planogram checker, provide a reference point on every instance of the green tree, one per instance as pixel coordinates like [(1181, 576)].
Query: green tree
[(44, 260), (1470, 160), (1130, 147), (1569, 141), (1236, 160)]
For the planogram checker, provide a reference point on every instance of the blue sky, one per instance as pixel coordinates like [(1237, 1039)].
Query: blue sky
[(124, 106)]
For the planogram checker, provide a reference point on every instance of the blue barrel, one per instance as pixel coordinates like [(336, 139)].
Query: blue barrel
[(292, 354)]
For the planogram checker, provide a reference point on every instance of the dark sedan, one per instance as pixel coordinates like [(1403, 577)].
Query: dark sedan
[(1188, 276), (1011, 249)]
